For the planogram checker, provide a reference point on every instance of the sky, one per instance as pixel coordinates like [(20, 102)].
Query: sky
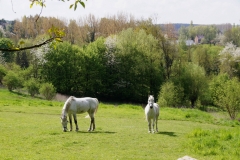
[(162, 11)]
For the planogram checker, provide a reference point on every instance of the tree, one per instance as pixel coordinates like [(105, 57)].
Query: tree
[(233, 36), (134, 48), (2, 32), (62, 68), (216, 84), (169, 54), (229, 60), (229, 97), (170, 95), (3, 72), (207, 57), (5, 43), (193, 81)]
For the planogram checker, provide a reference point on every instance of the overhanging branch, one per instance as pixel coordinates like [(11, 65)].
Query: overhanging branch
[(30, 47)]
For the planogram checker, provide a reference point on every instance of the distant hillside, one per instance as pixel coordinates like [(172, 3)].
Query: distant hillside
[(221, 27)]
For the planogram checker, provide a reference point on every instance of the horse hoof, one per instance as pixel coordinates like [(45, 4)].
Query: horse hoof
[(149, 131), (76, 130)]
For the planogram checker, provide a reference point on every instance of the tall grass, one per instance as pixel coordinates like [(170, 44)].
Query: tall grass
[(31, 129), (219, 144)]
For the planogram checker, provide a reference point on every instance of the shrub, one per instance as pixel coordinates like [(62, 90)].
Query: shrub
[(229, 97), (48, 91), (32, 87), (12, 81), (170, 95)]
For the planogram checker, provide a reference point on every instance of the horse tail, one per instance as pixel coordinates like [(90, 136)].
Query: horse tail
[(96, 106)]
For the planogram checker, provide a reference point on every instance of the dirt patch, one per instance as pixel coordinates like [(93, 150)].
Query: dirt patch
[(61, 97)]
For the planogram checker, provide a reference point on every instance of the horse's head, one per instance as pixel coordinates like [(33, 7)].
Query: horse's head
[(64, 123), (151, 101)]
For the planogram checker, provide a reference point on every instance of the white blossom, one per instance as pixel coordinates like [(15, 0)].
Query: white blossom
[(39, 53), (111, 48), (230, 52)]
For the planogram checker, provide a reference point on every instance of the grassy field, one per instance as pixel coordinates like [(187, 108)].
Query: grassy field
[(31, 129)]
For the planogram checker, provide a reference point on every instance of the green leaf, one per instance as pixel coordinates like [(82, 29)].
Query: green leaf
[(83, 4), (21, 42), (58, 39), (31, 5), (75, 7), (71, 6)]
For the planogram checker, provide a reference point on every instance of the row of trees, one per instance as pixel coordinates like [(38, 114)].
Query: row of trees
[(131, 64), (88, 29)]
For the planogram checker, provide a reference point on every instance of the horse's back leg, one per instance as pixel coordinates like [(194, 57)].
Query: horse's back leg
[(156, 124), (92, 123), (75, 121)]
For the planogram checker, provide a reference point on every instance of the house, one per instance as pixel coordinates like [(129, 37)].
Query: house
[(198, 39), (189, 42)]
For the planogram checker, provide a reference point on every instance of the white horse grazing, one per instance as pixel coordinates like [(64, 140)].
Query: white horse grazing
[(75, 106), (152, 113)]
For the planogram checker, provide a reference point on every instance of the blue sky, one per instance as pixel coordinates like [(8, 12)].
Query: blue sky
[(164, 11)]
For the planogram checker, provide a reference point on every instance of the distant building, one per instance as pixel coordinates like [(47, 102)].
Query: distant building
[(198, 39), (189, 42)]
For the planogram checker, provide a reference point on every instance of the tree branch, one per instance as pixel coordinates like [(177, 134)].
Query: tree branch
[(30, 47)]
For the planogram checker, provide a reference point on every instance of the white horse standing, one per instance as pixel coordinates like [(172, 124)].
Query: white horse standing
[(152, 113), (74, 106)]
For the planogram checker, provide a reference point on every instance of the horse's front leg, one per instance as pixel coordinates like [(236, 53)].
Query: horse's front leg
[(153, 123), (149, 125), (70, 120), (75, 121)]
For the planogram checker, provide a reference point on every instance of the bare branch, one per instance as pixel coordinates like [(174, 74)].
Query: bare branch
[(30, 47), (12, 7)]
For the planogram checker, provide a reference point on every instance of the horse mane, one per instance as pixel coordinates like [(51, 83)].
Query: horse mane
[(67, 104), (151, 97)]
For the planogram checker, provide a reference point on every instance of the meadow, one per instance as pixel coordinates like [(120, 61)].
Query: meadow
[(31, 129)]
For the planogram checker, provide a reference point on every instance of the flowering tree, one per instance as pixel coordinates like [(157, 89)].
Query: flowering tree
[(230, 58)]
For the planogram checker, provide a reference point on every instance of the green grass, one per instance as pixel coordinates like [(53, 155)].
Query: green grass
[(31, 129)]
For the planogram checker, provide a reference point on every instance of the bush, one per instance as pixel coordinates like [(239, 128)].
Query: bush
[(12, 81), (48, 91), (170, 95), (229, 97), (32, 87)]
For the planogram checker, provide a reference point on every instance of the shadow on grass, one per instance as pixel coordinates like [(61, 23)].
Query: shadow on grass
[(172, 134), (97, 132)]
